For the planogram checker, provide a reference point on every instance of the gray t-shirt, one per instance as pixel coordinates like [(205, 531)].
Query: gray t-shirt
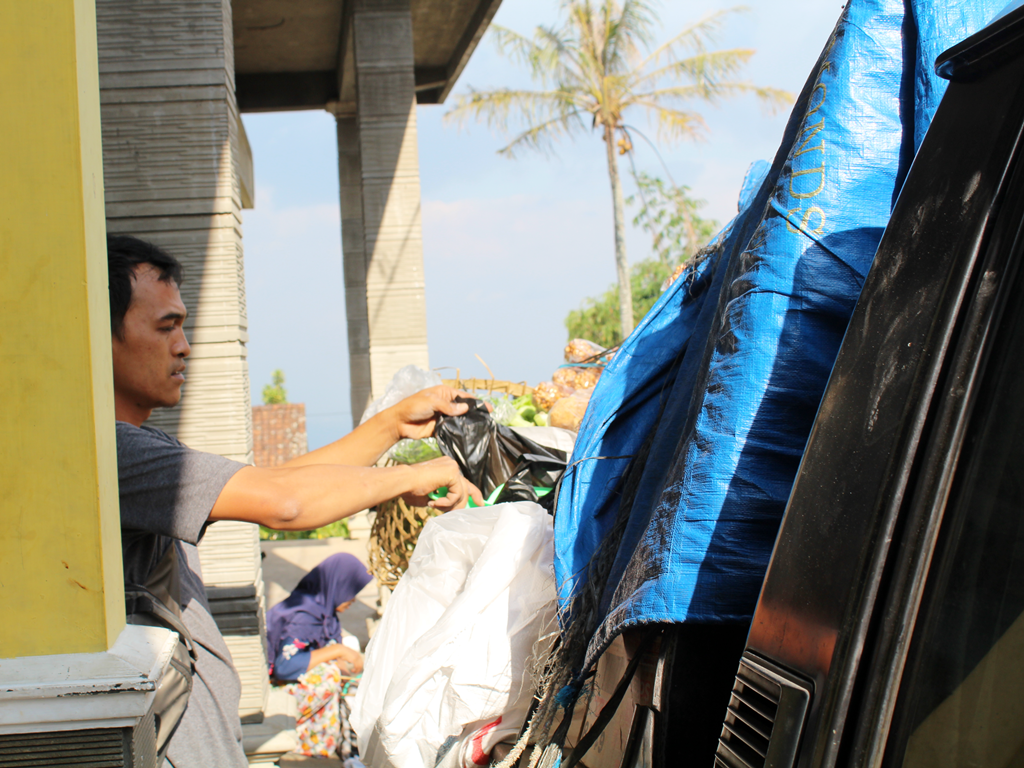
[(167, 492)]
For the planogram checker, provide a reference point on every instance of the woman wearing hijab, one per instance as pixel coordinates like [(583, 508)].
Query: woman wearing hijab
[(304, 647)]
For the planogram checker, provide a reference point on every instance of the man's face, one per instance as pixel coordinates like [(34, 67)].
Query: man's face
[(149, 362)]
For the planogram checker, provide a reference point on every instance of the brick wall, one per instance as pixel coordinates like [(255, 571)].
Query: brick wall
[(278, 433)]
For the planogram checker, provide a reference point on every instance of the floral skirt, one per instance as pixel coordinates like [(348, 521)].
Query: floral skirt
[(322, 727)]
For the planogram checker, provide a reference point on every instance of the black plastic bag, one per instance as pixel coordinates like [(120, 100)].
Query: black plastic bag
[(490, 454), (531, 473)]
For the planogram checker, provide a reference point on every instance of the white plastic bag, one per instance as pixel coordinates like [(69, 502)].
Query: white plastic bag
[(550, 437), (407, 381), (452, 651)]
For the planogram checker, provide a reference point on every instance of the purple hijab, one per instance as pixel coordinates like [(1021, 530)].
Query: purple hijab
[(308, 613)]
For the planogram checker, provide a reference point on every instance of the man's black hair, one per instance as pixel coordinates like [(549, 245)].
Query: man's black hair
[(124, 254)]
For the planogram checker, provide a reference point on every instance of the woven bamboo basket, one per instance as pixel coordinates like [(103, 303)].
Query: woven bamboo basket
[(490, 386), (393, 538), (397, 526)]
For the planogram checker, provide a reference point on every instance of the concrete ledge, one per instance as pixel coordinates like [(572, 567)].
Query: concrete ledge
[(85, 690)]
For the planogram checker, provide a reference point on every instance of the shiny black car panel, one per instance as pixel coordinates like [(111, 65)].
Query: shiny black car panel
[(840, 600)]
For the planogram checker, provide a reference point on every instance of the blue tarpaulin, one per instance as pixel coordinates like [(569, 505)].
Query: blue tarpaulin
[(694, 434)]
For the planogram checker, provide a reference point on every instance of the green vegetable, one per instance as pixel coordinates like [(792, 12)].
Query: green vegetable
[(415, 451), (540, 419), (523, 401), (519, 421)]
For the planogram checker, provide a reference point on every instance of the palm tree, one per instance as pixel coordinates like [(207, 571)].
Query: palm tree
[(597, 65)]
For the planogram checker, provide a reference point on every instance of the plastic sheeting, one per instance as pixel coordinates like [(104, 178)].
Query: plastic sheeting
[(452, 652), (696, 429)]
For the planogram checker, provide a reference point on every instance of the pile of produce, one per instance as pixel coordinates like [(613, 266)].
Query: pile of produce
[(560, 402), (565, 397), (519, 412)]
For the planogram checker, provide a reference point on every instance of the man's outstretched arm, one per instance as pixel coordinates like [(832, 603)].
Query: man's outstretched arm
[(414, 417), (302, 498)]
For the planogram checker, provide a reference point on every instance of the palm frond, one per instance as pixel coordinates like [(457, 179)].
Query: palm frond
[(697, 37), (707, 68), (533, 54), (674, 124), (589, 37), (772, 99), (498, 108), (584, 70), (691, 93), (542, 136), (517, 47), (626, 33), (563, 62)]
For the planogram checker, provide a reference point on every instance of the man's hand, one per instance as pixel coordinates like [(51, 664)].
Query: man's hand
[(440, 473), (415, 417)]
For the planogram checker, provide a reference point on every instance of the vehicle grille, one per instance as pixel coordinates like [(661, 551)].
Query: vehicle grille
[(753, 707), (99, 748)]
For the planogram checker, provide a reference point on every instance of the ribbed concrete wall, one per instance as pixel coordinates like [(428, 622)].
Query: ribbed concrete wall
[(171, 148), (380, 200)]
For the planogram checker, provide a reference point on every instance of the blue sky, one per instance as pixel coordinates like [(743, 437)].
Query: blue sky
[(510, 246)]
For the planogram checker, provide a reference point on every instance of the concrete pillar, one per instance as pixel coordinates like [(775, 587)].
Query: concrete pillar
[(380, 200), (76, 684), (61, 588), (353, 246)]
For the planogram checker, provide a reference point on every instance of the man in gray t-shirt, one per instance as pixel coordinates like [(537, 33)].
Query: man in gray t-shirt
[(157, 474), (169, 493)]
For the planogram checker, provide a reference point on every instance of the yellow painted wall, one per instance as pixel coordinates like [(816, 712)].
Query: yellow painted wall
[(60, 558)]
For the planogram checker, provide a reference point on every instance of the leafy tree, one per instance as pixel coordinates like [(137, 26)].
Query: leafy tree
[(599, 320), (669, 214), (599, 64), (274, 393)]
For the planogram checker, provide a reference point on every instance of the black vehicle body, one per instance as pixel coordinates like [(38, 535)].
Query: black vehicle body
[(890, 626)]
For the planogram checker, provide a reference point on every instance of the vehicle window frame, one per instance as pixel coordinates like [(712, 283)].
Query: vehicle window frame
[(941, 544), (906, 575), (832, 590)]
